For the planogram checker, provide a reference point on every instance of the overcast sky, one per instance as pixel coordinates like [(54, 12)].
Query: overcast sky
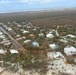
[(23, 5)]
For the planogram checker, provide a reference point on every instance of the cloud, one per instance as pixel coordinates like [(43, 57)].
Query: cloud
[(29, 1), (4, 1), (40, 1)]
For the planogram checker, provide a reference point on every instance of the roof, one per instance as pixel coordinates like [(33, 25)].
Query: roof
[(18, 25), (27, 41), (2, 36), (31, 35), (1, 33), (7, 43), (53, 46), (49, 35), (18, 35), (13, 51), (2, 51), (51, 30), (70, 50), (41, 34), (35, 43), (25, 31), (63, 40), (9, 28)]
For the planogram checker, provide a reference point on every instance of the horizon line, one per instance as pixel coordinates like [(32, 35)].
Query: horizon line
[(43, 9)]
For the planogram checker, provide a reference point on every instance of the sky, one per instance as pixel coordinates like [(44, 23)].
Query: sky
[(26, 5)]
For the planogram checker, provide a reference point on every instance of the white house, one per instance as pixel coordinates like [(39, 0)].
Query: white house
[(27, 41), (49, 35), (51, 30), (13, 51), (2, 36), (19, 25), (7, 43), (1, 33), (54, 55), (25, 31), (9, 28), (22, 30), (2, 51), (34, 29), (63, 40), (41, 34), (53, 46), (70, 50), (18, 35)]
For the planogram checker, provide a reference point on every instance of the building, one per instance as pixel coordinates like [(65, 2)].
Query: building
[(27, 41), (9, 28), (2, 36), (2, 51), (25, 32), (31, 35), (1, 33), (13, 51), (53, 46), (35, 43), (63, 40), (49, 35), (70, 50), (18, 35), (41, 34)]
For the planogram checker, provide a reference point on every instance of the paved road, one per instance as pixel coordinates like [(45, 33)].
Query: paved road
[(16, 44), (68, 39)]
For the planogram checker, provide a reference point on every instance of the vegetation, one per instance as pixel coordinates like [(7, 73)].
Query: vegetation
[(44, 22)]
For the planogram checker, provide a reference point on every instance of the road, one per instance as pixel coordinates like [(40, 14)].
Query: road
[(31, 24), (16, 44), (68, 39)]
